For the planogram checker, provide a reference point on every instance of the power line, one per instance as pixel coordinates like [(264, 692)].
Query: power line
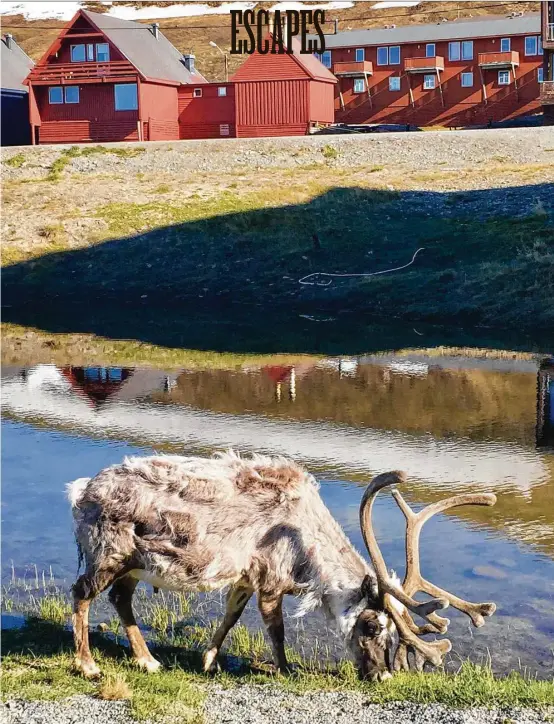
[(146, 26)]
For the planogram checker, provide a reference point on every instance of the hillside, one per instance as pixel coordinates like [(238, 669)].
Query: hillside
[(195, 33)]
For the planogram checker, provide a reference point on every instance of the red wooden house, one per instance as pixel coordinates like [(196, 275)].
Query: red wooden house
[(283, 94), (461, 72), (547, 88), (106, 79)]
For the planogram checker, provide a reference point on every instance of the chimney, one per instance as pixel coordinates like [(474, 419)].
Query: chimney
[(155, 30), (336, 22), (189, 59), (9, 40)]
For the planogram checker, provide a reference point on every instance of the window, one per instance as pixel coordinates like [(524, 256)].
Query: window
[(454, 51), (78, 53), (429, 82), (467, 80), (90, 51), (394, 83), (55, 95), (222, 91), (531, 45), (126, 97), (359, 85), (197, 93), (467, 50), (505, 45), (503, 77), (382, 56), (540, 75), (325, 58), (102, 52), (430, 50), (72, 94), (360, 55), (394, 55)]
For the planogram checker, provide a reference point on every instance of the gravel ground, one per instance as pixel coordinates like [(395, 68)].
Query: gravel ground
[(424, 150), (257, 705)]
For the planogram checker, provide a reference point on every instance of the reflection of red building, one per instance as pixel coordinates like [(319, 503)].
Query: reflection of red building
[(545, 404), (96, 383)]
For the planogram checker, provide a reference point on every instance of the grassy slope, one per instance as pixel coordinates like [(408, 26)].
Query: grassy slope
[(37, 664), (252, 242), (195, 33)]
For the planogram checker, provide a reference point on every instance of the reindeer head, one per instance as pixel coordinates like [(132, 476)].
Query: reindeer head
[(389, 602)]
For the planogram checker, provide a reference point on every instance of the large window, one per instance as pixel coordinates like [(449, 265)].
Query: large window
[(382, 56), (503, 77), (126, 97), (429, 82), (454, 50), (467, 50), (78, 54), (102, 52), (359, 85), (360, 55), (430, 50), (467, 80), (394, 55), (532, 45), (55, 95), (505, 45), (394, 83), (58, 94)]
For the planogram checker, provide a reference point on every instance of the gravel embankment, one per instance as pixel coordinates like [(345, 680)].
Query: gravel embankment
[(424, 150), (262, 705)]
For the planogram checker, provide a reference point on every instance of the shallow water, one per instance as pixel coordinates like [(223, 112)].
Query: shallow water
[(452, 423)]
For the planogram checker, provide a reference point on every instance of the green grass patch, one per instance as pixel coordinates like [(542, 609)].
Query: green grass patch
[(58, 166), (37, 664), (330, 152), (15, 161)]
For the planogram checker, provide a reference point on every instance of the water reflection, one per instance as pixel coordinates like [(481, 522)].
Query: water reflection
[(456, 423)]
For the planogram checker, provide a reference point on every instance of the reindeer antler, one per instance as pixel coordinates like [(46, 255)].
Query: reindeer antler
[(409, 631)]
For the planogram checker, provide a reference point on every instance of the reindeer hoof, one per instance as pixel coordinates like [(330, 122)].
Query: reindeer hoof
[(88, 669), (148, 664), (209, 661)]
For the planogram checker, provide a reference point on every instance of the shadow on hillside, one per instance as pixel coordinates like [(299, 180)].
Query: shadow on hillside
[(230, 282)]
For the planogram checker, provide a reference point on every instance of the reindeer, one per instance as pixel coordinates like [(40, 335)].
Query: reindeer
[(254, 525)]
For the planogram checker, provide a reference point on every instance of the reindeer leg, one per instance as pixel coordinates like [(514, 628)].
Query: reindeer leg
[(237, 598), (85, 589), (121, 595), (271, 608)]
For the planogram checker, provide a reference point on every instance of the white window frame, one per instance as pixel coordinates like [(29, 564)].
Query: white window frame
[(504, 42), (221, 91), (125, 85), (357, 81), (380, 50), (197, 93), (502, 74), (359, 55), (394, 47), (467, 44), (429, 81), (464, 77), (79, 45), (90, 52), (99, 45), (540, 75), (427, 48), (397, 83), (50, 89), (535, 40), (75, 87), (454, 45)]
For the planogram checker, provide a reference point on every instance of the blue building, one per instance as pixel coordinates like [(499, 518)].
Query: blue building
[(15, 129)]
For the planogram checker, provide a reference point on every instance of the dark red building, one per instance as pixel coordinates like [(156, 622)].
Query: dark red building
[(460, 72), (106, 79), (547, 87)]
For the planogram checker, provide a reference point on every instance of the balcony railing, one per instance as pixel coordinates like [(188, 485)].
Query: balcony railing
[(499, 60), (424, 65), (69, 72), (353, 68), (547, 93)]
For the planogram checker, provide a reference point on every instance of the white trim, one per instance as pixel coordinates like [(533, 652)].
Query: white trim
[(395, 78), (78, 45), (504, 73), (430, 45), (50, 89), (125, 85), (108, 58), (465, 74), (357, 81), (429, 81), (504, 40), (197, 93), (362, 51), (69, 87), (221, 91)]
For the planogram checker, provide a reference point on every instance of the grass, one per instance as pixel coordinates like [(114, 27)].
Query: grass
[(37, 664), (57, 168), (15, 161), (329, 152)]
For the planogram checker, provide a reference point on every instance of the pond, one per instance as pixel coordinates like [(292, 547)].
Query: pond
[(453, 423)]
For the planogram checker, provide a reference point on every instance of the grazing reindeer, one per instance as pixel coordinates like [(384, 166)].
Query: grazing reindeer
[(255, 525)]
